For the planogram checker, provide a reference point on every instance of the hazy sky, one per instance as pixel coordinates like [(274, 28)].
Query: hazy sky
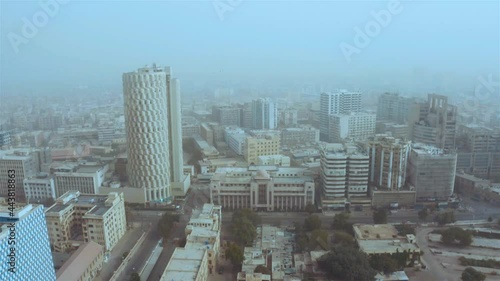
[(94, 42)]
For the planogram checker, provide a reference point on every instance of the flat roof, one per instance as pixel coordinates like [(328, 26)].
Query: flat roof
[(78, 263), (56, 208), (386, 246), (375, 231), (183, 265)]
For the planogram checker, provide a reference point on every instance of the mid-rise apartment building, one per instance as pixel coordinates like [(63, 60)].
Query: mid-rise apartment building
[(226, 115), (392, 107), (338, 102), (23, 165), (260, 145), (268, 188), (86, 178), (31, 251), (298, 136), (39, 188), (388, 162), (353, 126), (288, 117), (344, 175), (433, 122), (98, 218), (431, 172)]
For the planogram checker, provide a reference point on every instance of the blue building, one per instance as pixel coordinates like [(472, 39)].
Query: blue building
[(24, 245)]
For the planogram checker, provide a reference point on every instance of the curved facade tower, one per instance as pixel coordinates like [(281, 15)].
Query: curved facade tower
[(146, 117)]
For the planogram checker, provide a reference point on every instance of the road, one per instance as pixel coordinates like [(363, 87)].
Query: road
[(434, 268)]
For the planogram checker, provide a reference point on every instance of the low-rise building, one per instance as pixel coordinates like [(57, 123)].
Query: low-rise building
[(84, 264), (187, 264), (243, 276), (76, 218), (268, 188), (277, 160), (382, 239)]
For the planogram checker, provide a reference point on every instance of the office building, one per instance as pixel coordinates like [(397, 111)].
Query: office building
[(23, 163), (31, 251), (260, 145), (246, 115), (392, 107), (338, 102), (146, 96), (90, 217), (264, 114), (299, 136), (39, 188), (86, 178), (226, 115), (288, 117), (84, 264), (354, 126), (4, 139), (433, 122), (274, 160), (344, 176), (236, 139), (388, 162), (431, 172), (268, 188)]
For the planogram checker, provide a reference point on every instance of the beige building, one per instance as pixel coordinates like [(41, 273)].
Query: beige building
[(256, 146), (388, 159), (344, 175), (98, 218), (431, 172), (384, 239), (199, 256), (84, 264), (268, 188), (352, 126)]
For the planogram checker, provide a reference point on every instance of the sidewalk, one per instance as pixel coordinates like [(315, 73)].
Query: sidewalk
[(115, 257)]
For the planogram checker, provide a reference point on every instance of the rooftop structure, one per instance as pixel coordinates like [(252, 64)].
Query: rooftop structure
[(84, 264)]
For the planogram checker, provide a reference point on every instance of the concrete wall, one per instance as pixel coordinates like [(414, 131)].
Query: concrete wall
[(385, 198)]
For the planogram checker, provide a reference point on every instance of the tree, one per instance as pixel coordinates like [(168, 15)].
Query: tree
[(166, 223), (344, 238), (244, 231), (310, 208), (422, 214), (262, 269), (346, 263), (384, 262), (135, 277), (319, 237), (340, 221), (234, 253), (470, 274), (312, 222), (453, 234), (380, 216), (445, 218)]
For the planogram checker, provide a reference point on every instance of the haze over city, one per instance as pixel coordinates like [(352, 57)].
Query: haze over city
[(229, 140)]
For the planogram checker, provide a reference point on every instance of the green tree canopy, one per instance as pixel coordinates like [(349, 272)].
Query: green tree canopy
[(312, 222), (347, 264), (384, 263), (445, 218), (470, 274), (455, 235), (135, 277), (234, 254), (340, 222), (310, 208), (344, 238)]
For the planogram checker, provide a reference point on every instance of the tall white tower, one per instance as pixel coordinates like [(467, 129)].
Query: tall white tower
[(175, 130), (146, 115)]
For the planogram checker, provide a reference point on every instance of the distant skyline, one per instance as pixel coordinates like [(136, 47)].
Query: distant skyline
[(92, 43)]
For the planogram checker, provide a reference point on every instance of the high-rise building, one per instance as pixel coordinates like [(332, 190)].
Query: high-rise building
[(338, 102), (388, 161), (344, 175), (4, 139), (392, 107), (146, 97), (431, 172), (264, 114), (226, 115), (353, 126), (433, 122), (24, 244)]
